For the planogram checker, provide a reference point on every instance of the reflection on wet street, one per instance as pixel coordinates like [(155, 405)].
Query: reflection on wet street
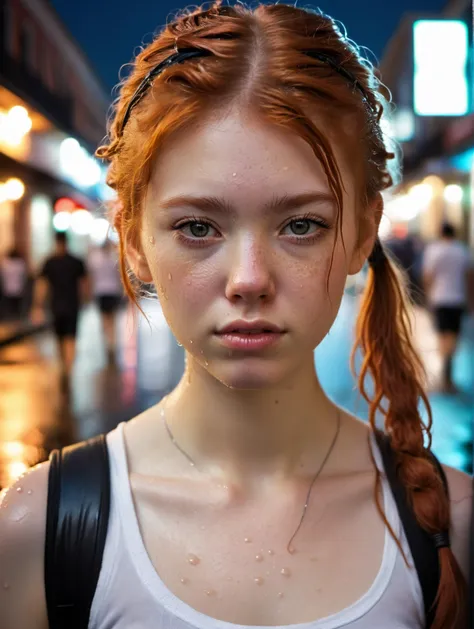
[(36, 416)]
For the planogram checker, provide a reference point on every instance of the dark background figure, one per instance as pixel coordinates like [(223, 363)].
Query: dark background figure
[(447, 272), (64, 282), (407, 250), (13, 283)]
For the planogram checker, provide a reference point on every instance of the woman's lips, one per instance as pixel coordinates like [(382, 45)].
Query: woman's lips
[(249, 340)]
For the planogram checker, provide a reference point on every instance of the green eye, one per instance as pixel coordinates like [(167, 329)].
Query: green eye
[(199, 230), (300, 227)]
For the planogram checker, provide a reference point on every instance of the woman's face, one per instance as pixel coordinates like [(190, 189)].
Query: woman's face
[(239, 228)]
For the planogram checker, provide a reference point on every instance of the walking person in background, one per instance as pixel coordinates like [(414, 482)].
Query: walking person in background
[(13, 279), (447, 275), (107, 290), (63, 281)]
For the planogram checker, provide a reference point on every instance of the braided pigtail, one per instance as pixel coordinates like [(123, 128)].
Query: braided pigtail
[(384, 336)]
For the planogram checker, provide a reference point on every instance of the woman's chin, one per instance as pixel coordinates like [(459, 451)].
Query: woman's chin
[(250, 377)]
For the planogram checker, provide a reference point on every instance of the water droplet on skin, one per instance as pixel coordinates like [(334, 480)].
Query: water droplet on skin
[(191, 464), (292, 550), (258, 580), (179, 344), (259, 557), (229, 579), (271, 552), (206, 363), (29, 492), (286, 572), (184, 581), (209, 592), (151, 240), (193, 560), (234, 174), (170, 277), (247, 540), (191, 342), (280, 594), (19, 490)]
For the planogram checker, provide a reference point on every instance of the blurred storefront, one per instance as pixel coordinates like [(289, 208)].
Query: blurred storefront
[(52, 117), (433, 121)]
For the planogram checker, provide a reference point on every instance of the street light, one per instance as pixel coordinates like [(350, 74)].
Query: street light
[(421, 194), (453, 193), (11, 190)]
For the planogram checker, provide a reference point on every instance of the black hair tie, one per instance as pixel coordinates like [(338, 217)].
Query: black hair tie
[(441, 540), (378, 254)]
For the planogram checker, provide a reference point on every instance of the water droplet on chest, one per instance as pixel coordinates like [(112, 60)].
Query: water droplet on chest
[(193, 560), (286, 572), (258, 581), (259, 557)]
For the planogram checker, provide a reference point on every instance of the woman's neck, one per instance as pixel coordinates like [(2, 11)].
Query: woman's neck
[(244, 434)]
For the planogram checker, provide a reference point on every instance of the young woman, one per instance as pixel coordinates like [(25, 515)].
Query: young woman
[(248, 158)]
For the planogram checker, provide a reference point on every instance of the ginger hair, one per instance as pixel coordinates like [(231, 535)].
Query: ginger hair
[(259, 59)]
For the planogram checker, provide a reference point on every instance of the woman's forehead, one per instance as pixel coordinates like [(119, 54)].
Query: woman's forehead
[(237, 155)]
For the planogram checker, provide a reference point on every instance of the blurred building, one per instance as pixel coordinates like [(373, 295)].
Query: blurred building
[(53, 110), (433, 121)]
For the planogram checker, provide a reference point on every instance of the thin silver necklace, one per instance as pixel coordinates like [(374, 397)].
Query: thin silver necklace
[(289, 548)]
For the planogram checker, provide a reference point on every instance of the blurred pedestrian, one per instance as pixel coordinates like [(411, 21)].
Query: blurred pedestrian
[(107, 290), (447, 273), (406, 251), (63, 282), (249, 158), (13, 282)]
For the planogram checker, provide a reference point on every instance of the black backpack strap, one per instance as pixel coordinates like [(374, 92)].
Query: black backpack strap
[(422, 545), (76, 529)]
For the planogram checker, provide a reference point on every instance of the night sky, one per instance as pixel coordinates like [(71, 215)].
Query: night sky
[(109, 31)]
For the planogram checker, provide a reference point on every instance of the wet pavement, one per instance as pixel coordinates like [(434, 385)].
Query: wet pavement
[(36, 416)]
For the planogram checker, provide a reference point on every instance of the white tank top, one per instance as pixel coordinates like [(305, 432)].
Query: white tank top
[(131, 595)]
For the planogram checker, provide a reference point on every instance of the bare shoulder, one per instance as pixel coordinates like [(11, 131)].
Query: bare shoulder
[(22, 538), (461, 498)]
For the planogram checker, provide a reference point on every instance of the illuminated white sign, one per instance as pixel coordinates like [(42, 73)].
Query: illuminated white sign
[(440, 68)]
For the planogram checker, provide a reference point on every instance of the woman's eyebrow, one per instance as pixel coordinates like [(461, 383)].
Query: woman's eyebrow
[(279, 203)]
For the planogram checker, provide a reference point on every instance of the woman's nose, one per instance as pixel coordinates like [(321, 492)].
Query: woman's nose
[(250, 277)]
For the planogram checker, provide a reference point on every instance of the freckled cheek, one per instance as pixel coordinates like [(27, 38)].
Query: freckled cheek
[(318, 299), (186, 284)]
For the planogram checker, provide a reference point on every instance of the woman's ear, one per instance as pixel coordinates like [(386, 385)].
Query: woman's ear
[(368, 230), (137, 260)]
